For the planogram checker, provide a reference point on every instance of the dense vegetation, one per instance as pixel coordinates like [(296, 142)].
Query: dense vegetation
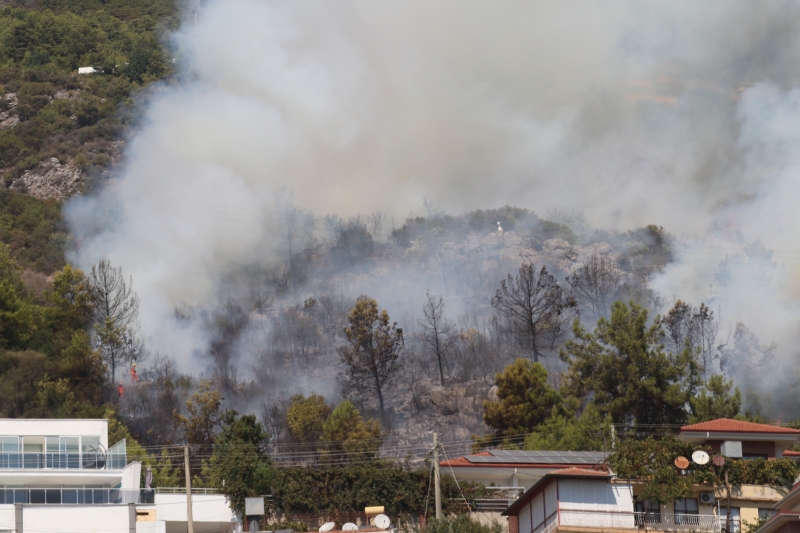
[(47, 365), (48, 110), (651, 461), (33, 232)]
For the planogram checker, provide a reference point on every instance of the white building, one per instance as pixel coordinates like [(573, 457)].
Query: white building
[(62, 476)]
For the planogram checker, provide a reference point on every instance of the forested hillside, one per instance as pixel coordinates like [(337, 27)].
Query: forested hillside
[(63, 127)]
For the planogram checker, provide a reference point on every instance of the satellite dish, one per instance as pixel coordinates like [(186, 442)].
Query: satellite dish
[(718, 460), (700, 457), (382, 521), (682, 462), (349, 526), (327, 526)]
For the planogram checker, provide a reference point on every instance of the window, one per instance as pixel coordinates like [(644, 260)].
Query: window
[(752, 456), (735, 519), (766, 514), (648, 512), (10, 456), (686, 510)]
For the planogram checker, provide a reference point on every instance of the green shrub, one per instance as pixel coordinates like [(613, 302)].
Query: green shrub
[(461, 524)]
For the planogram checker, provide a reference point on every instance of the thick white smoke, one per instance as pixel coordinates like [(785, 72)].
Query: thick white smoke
[(681, 114)]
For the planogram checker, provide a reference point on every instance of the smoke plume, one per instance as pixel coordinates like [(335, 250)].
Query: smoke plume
[(680, 114)]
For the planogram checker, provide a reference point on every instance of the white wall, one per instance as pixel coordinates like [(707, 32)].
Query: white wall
[(205, 508), (131, 475), (68, 519), (540, 511), (594, 495), (156, 526), (55, 427), (595, 504), (7, 517)]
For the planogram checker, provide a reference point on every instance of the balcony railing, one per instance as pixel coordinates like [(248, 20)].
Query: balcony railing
[(630, 520), (62, 461), (75, 496), (84, 496)]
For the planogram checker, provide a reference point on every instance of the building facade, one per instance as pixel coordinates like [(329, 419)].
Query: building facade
[(63, 476)]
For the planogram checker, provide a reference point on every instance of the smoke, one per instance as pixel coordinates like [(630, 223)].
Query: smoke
[(680, 114)]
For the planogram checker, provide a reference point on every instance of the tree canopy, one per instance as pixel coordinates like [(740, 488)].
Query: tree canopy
[(525, 399), (625, 370)]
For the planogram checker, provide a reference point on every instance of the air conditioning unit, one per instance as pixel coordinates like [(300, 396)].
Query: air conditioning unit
[(707, 498)]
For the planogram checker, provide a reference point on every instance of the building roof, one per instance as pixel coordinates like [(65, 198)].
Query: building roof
[(573, 472), (729, 425), (777, 521), (791, 453), (528, 459)]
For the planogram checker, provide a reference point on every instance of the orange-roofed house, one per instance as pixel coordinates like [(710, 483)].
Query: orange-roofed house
[(517, 468), (590, 499), (737, 438), (786, 514)]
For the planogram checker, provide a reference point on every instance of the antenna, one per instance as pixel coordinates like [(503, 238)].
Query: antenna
[(327, 526), (682, 462), (382, 521), (700, 457), (349, 526)]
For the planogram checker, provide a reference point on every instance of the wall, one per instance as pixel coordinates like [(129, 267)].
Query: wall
[(205, 508), (68, 519), (157, 526), (748, 447), (131, 476), (7, 517), (55, 427), (594, 495), (500, 476), (595, 503)]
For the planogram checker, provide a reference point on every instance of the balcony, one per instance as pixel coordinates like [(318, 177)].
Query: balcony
[(89, 496), (115, 458), (569, 520)]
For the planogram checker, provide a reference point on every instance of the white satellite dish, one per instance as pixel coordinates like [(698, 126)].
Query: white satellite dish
[(700, 457), (382, 521), (349, 526), (327, 526)]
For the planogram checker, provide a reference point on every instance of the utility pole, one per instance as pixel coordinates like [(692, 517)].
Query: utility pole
[(189, 521), (437, 491)]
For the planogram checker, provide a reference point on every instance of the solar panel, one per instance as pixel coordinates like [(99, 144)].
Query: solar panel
[(538, 457)]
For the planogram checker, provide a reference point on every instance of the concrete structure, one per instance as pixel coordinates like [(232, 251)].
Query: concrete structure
[(750, 440), (62, 475), (210, 513), (583, 501), (86, 70)]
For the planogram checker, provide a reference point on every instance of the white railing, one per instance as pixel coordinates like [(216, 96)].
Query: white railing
[(182, 490), (630, 520)]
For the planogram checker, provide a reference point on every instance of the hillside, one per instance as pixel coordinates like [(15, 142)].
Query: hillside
[(58, 129)]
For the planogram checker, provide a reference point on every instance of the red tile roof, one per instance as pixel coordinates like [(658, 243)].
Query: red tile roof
[(728, 425), (582, 472), (791, 453), (463, 461)]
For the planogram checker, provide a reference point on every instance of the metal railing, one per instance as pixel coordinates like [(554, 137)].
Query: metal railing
[(182, 490), (500, 500), (87, 496), (62, 461), (630, 520), (74, 496)]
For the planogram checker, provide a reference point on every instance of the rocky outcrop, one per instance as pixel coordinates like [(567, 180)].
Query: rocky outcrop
[(51, 180)]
